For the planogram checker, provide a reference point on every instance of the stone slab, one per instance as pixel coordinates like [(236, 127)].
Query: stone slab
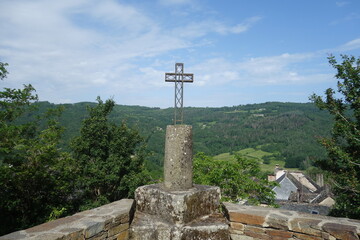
[(149, 227), (89, 224), (245, 214), (177, 206), (341, 231)]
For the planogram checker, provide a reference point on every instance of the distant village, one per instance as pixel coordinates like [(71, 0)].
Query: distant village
[(298, 192)]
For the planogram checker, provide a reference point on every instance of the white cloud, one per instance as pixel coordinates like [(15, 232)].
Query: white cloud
[(118, 17), (348, 46), (56, 46), (274, 70), (200, 29), (341, 3), (175, 2), (65, 46), (274, 64), (351, 45), (348, 18), (153, 76), (244, 26)]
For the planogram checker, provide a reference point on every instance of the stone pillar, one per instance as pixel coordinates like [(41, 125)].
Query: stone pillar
[(178, 165), (176, 209)]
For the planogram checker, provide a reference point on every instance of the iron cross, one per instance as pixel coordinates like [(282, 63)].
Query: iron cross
[(179, 77)]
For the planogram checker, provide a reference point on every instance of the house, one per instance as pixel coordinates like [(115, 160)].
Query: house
[(296, 191)]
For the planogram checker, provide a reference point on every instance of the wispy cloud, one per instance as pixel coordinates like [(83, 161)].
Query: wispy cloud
[(199, 29), (341, 3), (59, 45), (68, 46), (242, 27), (348, 46), (351, 45), (348, 18), (175, 2), (274, 70)]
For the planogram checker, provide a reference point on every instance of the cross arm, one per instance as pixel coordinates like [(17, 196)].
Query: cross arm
[(171, 77)]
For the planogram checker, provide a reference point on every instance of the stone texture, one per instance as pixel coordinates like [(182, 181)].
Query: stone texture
[(240, 237), (92, 227), (148, 227), (123, 235), (120, 228), (325, 235), (53, 224), (235, 232), (73, 233), (98, 236), (256, 235), (237, 226), (341, 231), (177, 206), (306, 225), (178, 168), (92, 224), (246, 214), (254, 229), (306, 237), (115, 217), (277, 220), (278, 233), (47, 236), (280, 225), (211, 227)]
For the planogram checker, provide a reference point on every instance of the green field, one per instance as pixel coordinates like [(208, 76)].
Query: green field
[(258, 154)]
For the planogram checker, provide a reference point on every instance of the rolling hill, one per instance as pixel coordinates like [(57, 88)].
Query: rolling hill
[(285, 132)]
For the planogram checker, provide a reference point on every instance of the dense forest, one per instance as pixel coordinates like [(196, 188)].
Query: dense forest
[(288, 131)]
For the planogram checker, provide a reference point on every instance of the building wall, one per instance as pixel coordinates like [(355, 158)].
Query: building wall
[(283, 191)]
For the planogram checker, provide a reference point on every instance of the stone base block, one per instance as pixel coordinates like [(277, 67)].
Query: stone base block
[(177, 207), (148, 227)]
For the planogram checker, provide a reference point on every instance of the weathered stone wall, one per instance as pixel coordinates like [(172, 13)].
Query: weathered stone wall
[(110, 222), (249, 222)]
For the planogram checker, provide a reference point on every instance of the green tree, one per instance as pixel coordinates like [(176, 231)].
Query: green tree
[(343, 147), (238, 179), (3, 70), (110, 157), (29, 157)]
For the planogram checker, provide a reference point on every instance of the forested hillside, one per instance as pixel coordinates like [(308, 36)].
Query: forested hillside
[(286, 130)]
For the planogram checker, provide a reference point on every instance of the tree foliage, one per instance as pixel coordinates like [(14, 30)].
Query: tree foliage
[(29, 157), (343, 147), (110, 157), (40, 182), (281, 129), (239, 180), (3, 70)]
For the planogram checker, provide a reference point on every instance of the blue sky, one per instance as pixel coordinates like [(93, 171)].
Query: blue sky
[(240, 51)]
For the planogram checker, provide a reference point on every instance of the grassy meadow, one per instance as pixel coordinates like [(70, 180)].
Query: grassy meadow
[(258, 154)]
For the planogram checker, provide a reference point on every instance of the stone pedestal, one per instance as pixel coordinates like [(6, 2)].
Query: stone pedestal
[(178, 215), (178, 157), (149, 227), (177, 209)]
